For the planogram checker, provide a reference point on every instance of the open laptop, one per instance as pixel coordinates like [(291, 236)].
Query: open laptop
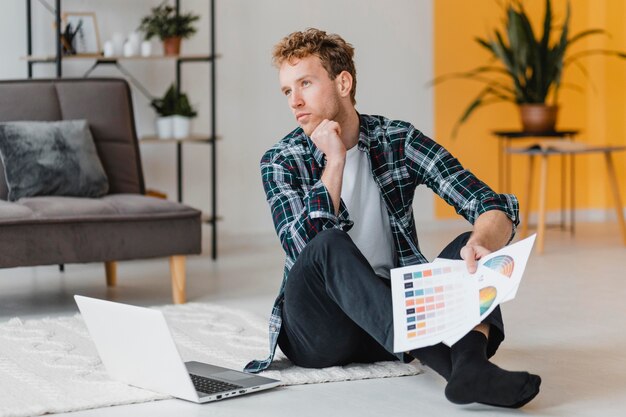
[(136, 347)]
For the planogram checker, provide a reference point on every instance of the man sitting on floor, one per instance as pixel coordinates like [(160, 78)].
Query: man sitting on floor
[(340, 188)]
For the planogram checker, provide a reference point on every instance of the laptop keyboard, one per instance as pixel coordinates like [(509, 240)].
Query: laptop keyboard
[(211, 386)]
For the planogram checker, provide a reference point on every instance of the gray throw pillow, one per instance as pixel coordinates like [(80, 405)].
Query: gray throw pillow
[(51, 158)]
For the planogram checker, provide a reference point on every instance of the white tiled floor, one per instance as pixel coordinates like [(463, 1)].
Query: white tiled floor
[(566, 325)]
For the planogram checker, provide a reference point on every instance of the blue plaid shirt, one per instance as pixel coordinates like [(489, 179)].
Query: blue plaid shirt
[(401, 159)]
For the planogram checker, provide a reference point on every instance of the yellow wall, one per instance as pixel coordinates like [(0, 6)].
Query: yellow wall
[(598, 111)]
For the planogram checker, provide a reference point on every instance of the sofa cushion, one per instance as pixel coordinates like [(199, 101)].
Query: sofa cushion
[(13, 212), (51, 158), (50, 230), (110, 208)]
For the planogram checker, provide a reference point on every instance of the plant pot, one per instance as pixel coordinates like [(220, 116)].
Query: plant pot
[(538, 118), (165, 127), (171, 46), (181, 126)]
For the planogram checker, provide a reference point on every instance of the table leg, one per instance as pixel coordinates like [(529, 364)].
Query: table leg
[(572, 190), (563, 188), (618, 203), (543, 188), (507, 164), (528, 196), (501, 165)]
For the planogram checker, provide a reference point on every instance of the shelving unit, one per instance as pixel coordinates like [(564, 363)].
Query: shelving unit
[(209, 139)]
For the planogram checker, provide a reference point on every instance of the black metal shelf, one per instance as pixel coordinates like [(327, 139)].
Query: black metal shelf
[(210, 58)]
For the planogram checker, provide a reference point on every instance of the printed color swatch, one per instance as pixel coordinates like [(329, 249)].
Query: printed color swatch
[(487, 296), (503, 264)]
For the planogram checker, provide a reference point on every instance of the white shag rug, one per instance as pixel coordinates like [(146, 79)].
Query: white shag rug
[(51, 365)]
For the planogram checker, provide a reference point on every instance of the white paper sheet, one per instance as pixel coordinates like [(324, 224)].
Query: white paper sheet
[(441, 301)]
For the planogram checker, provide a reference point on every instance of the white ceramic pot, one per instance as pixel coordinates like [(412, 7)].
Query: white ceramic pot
[(108, 49), (182, 126), (146, 48), (118, 43), (128, 49), (165, 127)]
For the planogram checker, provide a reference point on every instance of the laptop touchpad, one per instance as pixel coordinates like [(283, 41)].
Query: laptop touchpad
[(231, 376)]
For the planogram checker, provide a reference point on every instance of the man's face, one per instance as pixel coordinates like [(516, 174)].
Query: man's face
[(311, 94)]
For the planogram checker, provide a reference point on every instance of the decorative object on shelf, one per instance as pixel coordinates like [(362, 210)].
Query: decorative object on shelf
[(146, 48), (67, 39), (132, 45), (169, 26), (531, 70), (175, 114), (85, 39), (118, 43), (128, 49), (108, 49)]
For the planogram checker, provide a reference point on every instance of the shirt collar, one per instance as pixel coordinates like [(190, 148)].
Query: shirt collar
[(365, 136)]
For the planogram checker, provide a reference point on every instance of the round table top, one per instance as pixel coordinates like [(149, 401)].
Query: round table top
[(518, 134), (566, 148)]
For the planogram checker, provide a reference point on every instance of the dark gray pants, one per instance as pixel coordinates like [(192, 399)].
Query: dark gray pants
[(338, 311)]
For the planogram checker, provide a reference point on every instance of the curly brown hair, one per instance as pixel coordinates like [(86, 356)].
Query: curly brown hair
[(335, 54)]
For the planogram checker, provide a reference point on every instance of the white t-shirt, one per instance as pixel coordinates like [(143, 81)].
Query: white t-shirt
[(371, 231)]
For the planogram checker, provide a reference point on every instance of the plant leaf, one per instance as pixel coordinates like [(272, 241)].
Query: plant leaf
[(478, 101), (586, 33)]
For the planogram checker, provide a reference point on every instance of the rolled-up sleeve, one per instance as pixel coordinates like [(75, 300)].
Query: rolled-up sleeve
[(298, 215)]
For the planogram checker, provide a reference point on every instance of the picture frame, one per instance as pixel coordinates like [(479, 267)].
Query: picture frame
[(84, 36)]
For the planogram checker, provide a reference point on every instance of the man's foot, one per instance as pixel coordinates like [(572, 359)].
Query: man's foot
[(475, 379)]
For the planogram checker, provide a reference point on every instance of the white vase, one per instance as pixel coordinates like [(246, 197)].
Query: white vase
[(135, 40), (165, 127), (146, 48), (182, 126), (118, 43), (108, 49), (128, 49)]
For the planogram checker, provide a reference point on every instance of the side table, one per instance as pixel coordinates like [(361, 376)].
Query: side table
[(507, 137), (544, 151)]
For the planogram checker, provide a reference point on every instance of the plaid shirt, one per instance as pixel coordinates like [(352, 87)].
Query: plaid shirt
[(401, 159)]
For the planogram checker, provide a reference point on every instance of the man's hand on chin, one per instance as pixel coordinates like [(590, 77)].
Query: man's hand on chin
[(327, 137)]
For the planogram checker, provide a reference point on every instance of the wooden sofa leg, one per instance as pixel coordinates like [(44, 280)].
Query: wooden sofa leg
[(110, 268), (177, 271)]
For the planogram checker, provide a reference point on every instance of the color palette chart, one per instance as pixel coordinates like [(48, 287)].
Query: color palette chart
[(442, 301), (434, 298)]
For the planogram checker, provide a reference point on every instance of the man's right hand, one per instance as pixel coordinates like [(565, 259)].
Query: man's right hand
[(327, 137)]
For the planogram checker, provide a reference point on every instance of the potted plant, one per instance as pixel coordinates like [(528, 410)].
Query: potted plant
[(175, 114), (169, 26), (530, 71)]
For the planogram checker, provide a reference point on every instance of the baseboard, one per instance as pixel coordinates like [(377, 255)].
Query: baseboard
[(552, 216)]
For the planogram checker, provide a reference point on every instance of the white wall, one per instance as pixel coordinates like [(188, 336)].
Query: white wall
[(393, 42)]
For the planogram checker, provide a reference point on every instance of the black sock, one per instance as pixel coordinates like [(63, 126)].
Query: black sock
[(475, 379), (436, 357)]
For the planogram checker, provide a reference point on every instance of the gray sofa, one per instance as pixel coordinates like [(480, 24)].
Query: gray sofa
[(124, 224)]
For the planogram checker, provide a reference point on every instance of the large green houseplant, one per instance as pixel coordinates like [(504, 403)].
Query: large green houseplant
[(169, 26), (528, 71)]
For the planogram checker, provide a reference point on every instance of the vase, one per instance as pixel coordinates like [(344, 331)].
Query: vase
[(171, 46), (165, 127), (538, 118), (146, 48), (181, 127)]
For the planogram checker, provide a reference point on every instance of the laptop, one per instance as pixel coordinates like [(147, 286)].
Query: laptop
[(136, 347)]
